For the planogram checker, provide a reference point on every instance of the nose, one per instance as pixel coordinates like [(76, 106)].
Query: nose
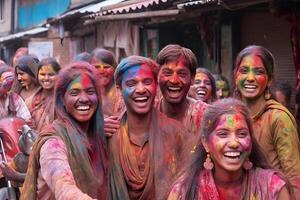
[(234, 142), (140, 88), (174, 78), (220, 93), (83, 98), (250, 76), (19, 77)]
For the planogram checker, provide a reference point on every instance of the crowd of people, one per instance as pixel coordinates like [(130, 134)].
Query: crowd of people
[(145, 129)]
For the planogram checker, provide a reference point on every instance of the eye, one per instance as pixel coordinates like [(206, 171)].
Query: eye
[(243, 133), (259, 71), (91, 91), (74, 92), (243, 70), (207, 82), (131, 83), (167, 72), (182, 73), (148, 81), (106, 66), (197, 81), (222, 133)]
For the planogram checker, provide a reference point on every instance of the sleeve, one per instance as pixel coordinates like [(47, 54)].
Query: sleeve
[(56, 171), (276, 185), (288, 148), (21, 108)]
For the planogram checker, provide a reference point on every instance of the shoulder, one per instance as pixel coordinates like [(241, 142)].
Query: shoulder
[(166, 122)]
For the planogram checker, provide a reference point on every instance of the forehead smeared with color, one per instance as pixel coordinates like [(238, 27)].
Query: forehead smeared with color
[(79, 82)]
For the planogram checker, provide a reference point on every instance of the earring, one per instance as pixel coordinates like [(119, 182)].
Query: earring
[(247, 164), (267, 94), (208, 164)]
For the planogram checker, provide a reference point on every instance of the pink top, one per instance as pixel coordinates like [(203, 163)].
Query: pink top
[(55, 175)]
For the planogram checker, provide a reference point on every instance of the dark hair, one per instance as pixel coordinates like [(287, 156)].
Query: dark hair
[(105, 56), (212, 82), (84, 56), (132, 61), (174, 52), (264, 54), (285, 88), (220, 77), (28, 64), (5, 68), (209, 122), (49, 61)]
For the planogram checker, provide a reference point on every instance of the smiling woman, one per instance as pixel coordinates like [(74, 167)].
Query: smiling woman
[(275, 127), (229, 164), (42, 108), (69, 158)]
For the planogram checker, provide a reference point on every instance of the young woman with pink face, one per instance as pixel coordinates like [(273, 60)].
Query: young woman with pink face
[(229, 165), (275, 127), (42, 108)]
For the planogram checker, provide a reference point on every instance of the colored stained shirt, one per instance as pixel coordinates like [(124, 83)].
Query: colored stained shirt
[(55, 175), (275, 130)]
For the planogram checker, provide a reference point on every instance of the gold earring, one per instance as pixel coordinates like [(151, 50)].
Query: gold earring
[(208, 164)]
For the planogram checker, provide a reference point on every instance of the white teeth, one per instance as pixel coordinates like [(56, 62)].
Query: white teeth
[(232, 154), (141, 98), (201, 92), (174, 88), (83, 107), (250, 86)]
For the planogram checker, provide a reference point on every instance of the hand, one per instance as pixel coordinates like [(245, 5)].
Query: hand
[(111, 125), (8, 171)]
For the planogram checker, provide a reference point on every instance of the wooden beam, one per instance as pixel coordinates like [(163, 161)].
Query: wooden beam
[(147, 14)]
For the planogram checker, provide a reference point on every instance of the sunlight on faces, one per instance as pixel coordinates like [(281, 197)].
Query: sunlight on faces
[(174, 79), (6, 82), (106, 71), (138, 89), (230, 143), (47, 77), (81, 99), (222, 89), (251, 78), (24, 78), (202, 87)]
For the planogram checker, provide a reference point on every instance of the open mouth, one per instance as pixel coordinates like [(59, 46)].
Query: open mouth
[(83, 108), (46, 83), (232, 155), (142, 99), (250, 88), (201, 93), (174, 91)]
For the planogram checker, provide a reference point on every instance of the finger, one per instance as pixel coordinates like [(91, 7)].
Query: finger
[(108, 134), (110, 130), (113, 126)]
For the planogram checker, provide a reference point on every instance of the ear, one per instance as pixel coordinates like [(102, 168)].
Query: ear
[(269, 83)]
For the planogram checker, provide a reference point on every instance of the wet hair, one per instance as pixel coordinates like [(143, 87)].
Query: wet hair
[(28, 64), (49, 61), (285, 88), (65, 77), (209, 123), (84, 56), (212, 82), (264, 54), (104, 56), (133, 61), (175, 52)]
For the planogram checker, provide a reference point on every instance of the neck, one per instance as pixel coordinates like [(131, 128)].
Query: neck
[(83, 126), (175, 111), (223, 178), (46, 92), (30, 87), (255, 105), (138, 124)]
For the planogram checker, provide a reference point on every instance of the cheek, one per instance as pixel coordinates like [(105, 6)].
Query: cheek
[(127, 91), (239, 80), (262, 80), (247, 144), (94, 99)]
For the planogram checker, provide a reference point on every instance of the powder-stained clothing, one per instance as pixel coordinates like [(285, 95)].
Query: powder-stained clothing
[(263, 184), (145, 169), (42, 110), (55, 173), (15, 106), (64, 160), (275, 130)]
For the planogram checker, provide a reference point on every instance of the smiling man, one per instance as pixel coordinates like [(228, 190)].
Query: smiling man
[(145, 152), (177, 71)]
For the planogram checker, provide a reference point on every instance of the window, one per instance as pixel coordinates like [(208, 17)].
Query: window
[(1, 10)]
